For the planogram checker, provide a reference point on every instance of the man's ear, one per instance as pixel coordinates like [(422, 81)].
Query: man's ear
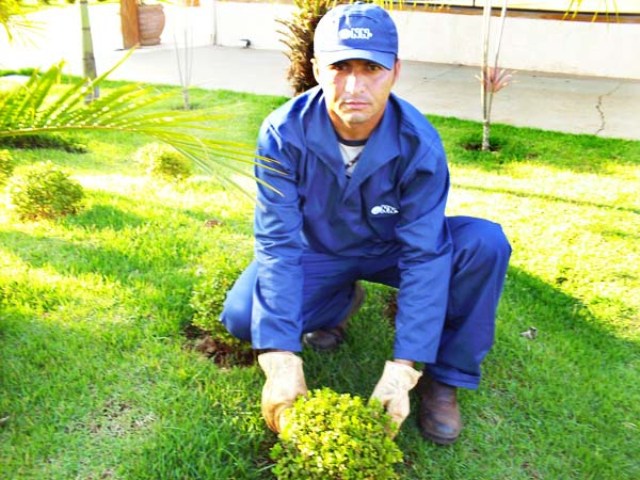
[(316, 70), (396, 70)]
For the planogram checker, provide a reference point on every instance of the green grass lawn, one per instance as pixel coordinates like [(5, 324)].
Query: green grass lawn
[(97, 379)]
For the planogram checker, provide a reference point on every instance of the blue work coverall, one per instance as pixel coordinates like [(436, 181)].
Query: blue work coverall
[(318, 231)]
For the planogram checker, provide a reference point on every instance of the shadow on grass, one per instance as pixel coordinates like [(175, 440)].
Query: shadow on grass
[(81, 404), (549, 198), (562, 402), (102, 217), (140, 253), (76, 258), (66, 394)]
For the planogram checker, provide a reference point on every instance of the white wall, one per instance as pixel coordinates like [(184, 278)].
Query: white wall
[(581, 48), (255, 21)]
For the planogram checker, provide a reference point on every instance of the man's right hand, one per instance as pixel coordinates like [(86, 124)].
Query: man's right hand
[(285, 382)]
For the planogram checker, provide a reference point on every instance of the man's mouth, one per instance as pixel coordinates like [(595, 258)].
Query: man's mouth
[(355, 104)]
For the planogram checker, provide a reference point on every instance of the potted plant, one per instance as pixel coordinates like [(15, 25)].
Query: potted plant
[(151, 20)]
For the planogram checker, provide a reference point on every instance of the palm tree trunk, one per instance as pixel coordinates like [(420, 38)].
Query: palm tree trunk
[(88, 58)]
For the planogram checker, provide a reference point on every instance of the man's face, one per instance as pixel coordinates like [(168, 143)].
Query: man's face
[(356, 92)]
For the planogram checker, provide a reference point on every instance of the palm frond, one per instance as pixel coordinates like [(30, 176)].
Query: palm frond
[(8, 11), (45, 105)]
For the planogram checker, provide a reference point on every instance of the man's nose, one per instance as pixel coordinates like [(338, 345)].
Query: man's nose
[(354, 82)]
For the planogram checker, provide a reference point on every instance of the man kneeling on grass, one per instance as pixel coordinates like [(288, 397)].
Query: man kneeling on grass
[(363, 197)]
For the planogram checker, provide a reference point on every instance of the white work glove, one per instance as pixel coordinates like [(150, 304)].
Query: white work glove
[(285, 382), (393, 389)]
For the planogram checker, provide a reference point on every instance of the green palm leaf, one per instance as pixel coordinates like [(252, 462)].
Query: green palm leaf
[(45, 105)]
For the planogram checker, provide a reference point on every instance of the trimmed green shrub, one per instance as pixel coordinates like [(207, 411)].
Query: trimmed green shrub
[(164, 161), (336, 436), (45, 191), (7, 165)]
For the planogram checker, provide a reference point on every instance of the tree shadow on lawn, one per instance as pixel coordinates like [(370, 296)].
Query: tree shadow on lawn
[(135, 260), (76, 258), (152, 279), (101, 216), (77, 405), (560, 200), (68, 397)]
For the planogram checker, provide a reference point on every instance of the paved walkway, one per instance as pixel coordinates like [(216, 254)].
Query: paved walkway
[(600, 106)]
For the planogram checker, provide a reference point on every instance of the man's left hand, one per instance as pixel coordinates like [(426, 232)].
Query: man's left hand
[(393, 389)]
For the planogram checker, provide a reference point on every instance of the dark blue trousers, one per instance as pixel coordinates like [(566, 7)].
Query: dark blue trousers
[(480, 258)]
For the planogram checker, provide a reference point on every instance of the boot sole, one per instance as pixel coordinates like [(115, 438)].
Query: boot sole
[(437, 439)]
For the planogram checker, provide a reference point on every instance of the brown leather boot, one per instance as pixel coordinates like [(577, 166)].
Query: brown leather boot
[(329, 339), (439, 417)]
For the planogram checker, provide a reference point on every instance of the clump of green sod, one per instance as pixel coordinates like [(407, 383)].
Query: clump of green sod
[(336, 436)]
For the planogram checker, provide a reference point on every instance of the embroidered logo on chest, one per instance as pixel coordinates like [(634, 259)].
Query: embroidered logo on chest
[(384, 210)]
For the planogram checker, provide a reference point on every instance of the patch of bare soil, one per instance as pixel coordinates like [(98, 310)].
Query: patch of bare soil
[(477, 146), (390, 308), (220, 352)]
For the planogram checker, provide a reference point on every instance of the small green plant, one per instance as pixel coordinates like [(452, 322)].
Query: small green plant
[(7, 165), (336, 436), (43, 190), (164, 161)]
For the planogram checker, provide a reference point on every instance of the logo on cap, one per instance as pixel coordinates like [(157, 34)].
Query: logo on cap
[(355, 33)]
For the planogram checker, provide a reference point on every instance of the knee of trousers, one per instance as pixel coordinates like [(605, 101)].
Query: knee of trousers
[(236, 317), (489, 244), (495, 244)]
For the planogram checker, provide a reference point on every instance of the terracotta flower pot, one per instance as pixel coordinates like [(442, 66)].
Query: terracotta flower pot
[(150, 23)]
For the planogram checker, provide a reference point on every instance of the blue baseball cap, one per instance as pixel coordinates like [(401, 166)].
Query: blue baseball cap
[(356, 31)]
